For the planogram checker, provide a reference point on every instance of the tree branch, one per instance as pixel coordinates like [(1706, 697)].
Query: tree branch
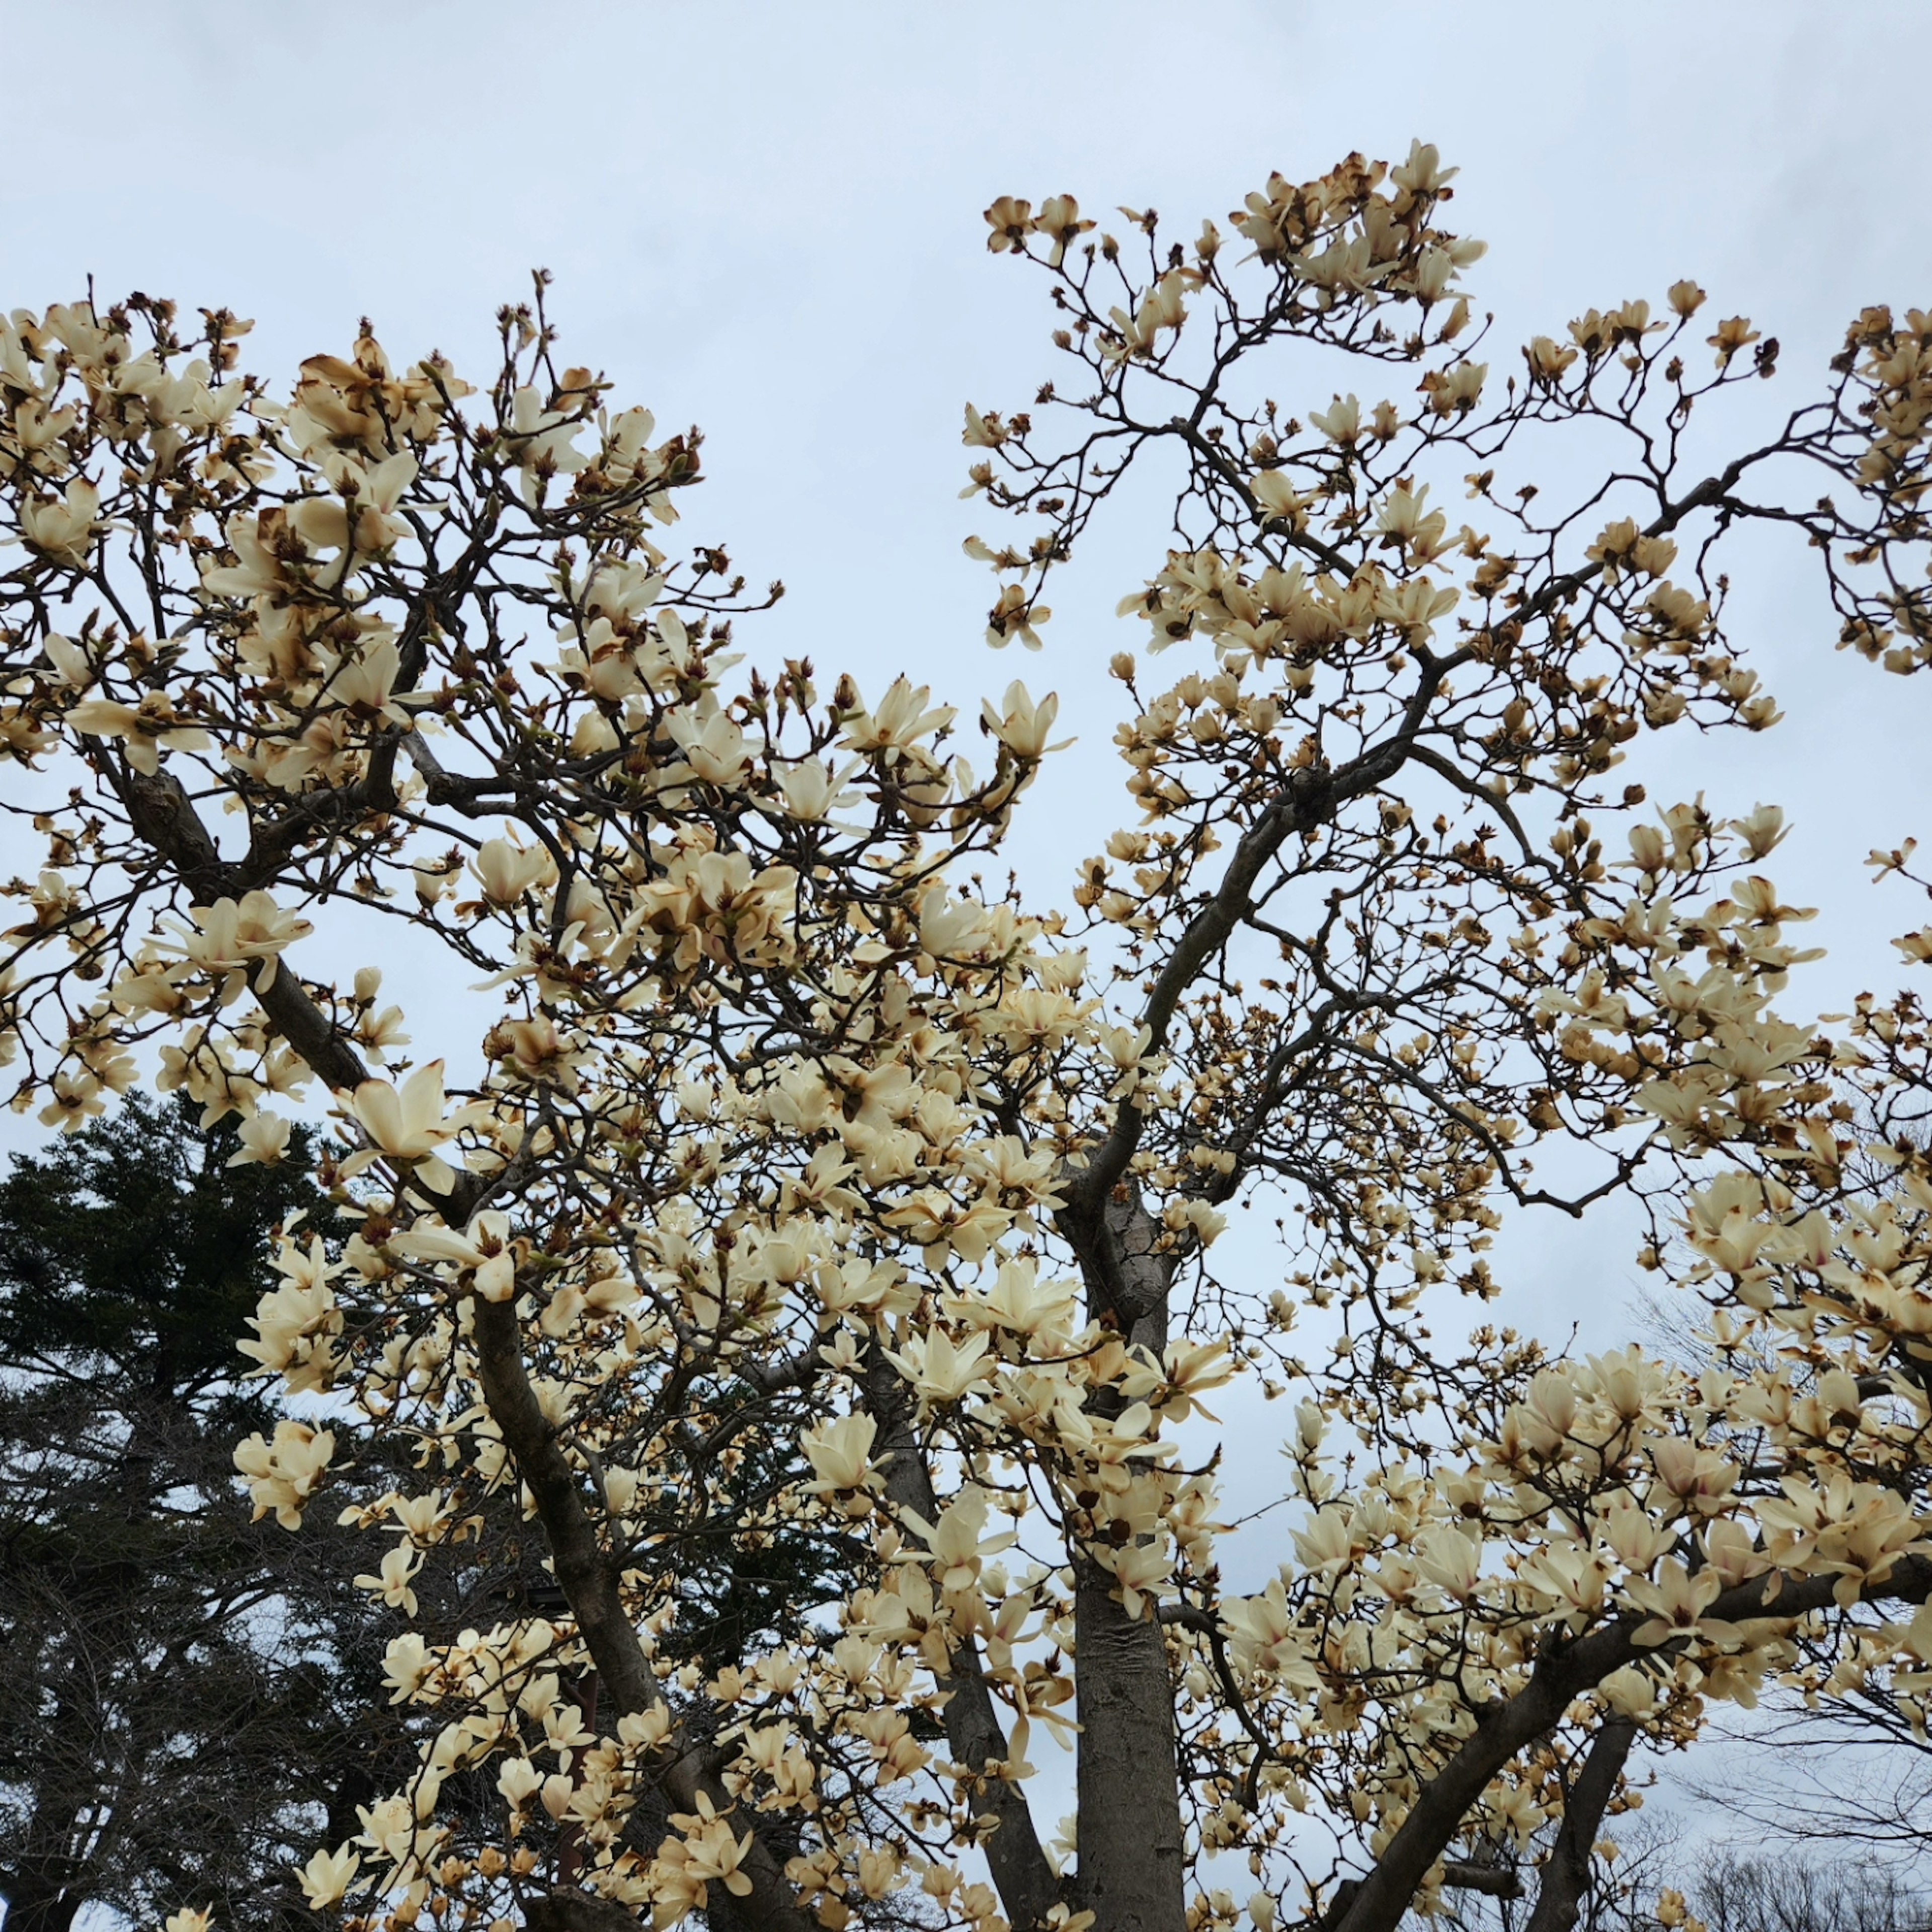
[(1507, 1727), (164, 816), (1027, 1887), (1566, 1874)]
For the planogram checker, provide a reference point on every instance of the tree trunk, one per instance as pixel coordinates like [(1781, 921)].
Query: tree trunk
[(43, 1889), (31, 1908), (46, 1882), (1130, 1798), (1130, 1865)]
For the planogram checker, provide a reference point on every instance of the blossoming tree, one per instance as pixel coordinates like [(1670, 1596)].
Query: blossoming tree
[(808, 1191)]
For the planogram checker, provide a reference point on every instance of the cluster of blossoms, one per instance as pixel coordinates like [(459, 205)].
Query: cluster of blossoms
[(815, 1204)]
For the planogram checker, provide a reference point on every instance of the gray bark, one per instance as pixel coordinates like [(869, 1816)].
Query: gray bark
[(570, 1911), (1130, 1869), (1130, 1872)]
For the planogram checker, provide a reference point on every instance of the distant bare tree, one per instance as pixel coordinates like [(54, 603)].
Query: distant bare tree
[(1804, 1891)]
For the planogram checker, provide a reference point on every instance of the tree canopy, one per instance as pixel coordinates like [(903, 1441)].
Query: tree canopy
[(183, 1699), (815, 1208)]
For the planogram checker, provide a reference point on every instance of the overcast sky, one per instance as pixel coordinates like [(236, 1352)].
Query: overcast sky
[(767, 219)]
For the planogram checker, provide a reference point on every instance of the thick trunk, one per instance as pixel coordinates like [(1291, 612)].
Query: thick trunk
[(31, 1908), (1130, 1876), (568, 1911), (44, 1887), (1130, 1873), (46, 1882)]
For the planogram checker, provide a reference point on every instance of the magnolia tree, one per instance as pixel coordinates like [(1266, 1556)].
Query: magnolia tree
[(810, 1193)]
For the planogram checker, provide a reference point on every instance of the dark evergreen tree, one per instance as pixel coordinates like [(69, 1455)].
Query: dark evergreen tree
[(185, 1694)]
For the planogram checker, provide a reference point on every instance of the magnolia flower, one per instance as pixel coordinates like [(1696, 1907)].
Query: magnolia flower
[(811, 790), (686, 1867), (541, 441), (1188, 1369), (1019, 1302), (1327, 1543), (1341, 421), (1547, 359), (1763, 831), (147, 727), (392, 1825), (1060, 219), (296, 1323), (1422, 172), (1449, 1560), (361, 516), (327, 1876), (69, 659), (282, 1475), (1675, 1606), (409, 1127), (364, 683), (1010, 617), (900, 718), (840, 1451), (986, 432), (1630, 1692), (1733, 334), (1162, 307), (407, 1663), (1278, 498), (391, 1583), (713, 746), (627, 438), (951, 929), (230, 937), (940, 1370), (507, 870), (63, 527), (1457, 389), (1022, 726), (39, 431), (1139, 1569), (1011, 220), (482, 1251), (955, 1546), (1403, 519), (259, 570)]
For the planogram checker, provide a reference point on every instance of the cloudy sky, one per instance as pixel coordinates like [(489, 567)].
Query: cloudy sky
[(767, 219)]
